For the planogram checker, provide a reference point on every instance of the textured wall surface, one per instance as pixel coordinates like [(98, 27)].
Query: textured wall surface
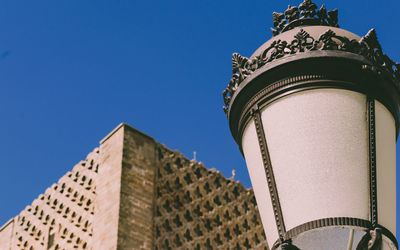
[(137, 191), (198, 208), (62, 217), (108, 190), (6, 232), (134, 193)]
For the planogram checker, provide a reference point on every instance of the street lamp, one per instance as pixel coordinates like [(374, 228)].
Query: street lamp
[(315, 112)]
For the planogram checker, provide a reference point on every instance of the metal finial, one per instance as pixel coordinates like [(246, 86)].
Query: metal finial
[(304, 14)]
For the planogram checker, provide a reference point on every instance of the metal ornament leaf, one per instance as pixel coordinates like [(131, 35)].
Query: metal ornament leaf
[(307, 9), (279, 21), (292, 13), (322, 14), (292, 17), (333, 18), (237, 62), (303, 41)]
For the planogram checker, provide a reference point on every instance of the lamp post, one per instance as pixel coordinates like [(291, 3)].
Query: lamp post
[(315, 112)]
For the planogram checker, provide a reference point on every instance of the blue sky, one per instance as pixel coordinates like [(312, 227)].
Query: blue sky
[(70, 71)]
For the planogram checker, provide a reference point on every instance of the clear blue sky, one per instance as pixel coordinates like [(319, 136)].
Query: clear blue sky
[(70, 71)]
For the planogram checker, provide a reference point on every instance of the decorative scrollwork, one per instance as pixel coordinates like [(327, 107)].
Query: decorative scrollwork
[(292, 13), (278, 20), (368, 46), (289, 246), (372, 240), (303, 41), (308, 10)]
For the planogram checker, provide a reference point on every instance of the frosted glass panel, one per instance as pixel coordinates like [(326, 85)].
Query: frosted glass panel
[(386, 166), (335, 238), (387, 244), (255, 166), (317, 141)]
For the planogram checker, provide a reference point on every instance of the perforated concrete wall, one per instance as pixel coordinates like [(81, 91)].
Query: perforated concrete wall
[(62, 217), (135, 193)]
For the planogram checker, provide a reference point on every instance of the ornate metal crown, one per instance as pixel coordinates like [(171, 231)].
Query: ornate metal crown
[(368, 46), (302, 42), (309, 16)]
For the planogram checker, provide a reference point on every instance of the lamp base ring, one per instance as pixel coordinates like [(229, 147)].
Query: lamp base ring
[(335, 221)]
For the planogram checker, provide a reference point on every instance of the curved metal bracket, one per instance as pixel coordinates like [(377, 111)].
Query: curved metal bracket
[(372, 240)]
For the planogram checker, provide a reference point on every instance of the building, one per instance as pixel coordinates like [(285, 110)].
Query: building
[(134, 193)]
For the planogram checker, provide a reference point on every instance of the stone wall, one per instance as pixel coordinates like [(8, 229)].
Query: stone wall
[(135, 193), (6, 233), (62, 217), (139, 163), (198, 208)]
